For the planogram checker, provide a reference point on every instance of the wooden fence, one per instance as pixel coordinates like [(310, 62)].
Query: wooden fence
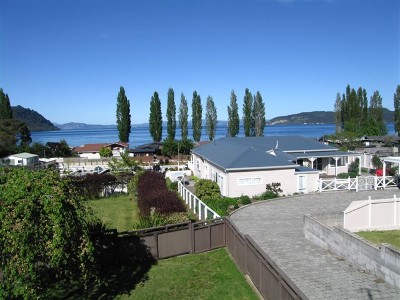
[(357, 184), (173, 240)]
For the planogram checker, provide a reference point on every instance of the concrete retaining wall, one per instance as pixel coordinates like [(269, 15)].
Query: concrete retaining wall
[(383, 261)]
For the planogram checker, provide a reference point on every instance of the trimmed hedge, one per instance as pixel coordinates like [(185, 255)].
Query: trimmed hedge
[(155, 198)]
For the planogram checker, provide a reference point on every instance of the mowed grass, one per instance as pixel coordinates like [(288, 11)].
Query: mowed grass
[(211, 275), (117, 212), (378, 237)]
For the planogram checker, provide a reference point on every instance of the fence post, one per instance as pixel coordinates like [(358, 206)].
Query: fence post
[(395, 209), (369, 212), (375, 182), (348, 184)]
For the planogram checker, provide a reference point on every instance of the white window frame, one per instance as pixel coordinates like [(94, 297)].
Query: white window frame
[(198, 164), (245, 181)]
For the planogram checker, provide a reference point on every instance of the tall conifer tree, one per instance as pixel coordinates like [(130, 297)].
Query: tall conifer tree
[(123, 116), (211, 118), (258, 114), (197, 112), (5, 106), (183, 117), (233, 116), (248, 120), (155, 118), (338, 113), (171, 115), (396, 100)]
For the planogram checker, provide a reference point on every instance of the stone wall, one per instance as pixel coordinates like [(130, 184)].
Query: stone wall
[(383, 261)]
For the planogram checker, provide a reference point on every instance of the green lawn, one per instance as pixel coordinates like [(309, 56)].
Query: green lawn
[(211, 275), (389, 237), (117, 212)]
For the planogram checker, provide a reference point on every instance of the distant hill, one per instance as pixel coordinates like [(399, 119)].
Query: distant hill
[(318, 117), (34, 120), (74, 126)]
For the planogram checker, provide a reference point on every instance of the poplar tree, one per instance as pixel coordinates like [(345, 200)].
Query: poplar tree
[(171, 114), (396, 100), (233, 116), (259, 115), (123, 116), (211, 118), (377, 125), (338, 113), (248, 120), (197, 112), (183, 117), (155, 118)]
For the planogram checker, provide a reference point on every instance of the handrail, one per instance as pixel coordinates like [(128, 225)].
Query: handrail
[(201, 209)]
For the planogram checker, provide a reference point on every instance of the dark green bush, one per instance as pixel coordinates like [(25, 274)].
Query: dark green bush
[(347, 175), (206, 189), (222, 205), (244, 200)]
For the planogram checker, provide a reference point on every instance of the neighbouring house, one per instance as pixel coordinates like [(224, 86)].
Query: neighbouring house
[(147, 150), (92, 151), (23, 159), (244, 165)]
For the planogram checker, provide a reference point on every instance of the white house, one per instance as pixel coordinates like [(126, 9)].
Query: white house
[(92, 151), (23, 159), (244, 165)]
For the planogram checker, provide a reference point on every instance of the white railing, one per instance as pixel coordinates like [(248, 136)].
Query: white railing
[(379, 214), (195, 204), (358, 183)]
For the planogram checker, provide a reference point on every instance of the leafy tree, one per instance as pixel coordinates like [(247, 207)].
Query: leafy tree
[(185, 146), (197, 111), (233, 116), (24, 135), (105, 152), (59, 149), (123, 116), (183, 117), (376, 123), (258, 115), (171, 114), (5, 106), (338, 113), (155, 119), (248, 120), (396, 100), (170, 147), (44, 234), (211, 118)]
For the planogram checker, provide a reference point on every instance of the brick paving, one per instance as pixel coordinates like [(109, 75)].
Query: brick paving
[(277, 227)]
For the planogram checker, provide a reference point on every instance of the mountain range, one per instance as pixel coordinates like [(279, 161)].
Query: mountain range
[(36, 122)]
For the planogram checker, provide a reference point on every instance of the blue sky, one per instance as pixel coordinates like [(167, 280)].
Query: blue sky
[(67, 59)]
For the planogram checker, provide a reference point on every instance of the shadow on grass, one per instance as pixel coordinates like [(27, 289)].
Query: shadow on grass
[(122, 263)]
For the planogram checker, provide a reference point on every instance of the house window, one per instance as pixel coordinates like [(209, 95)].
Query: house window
[(197, 165), (250, 181), (340, 162)]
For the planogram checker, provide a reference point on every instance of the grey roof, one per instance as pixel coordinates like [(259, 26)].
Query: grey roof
[(25, 155), (252, 152), (302, 169), (316, 154)]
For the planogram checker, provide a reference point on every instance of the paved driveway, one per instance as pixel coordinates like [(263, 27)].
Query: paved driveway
[(277, 227)]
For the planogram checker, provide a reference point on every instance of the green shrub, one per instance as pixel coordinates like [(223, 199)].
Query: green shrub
[(133, 185), (272, 191), (244, 199), (156, 219), (347, 175), (222, 205), (364, 170), (172, 186), (206, 189)]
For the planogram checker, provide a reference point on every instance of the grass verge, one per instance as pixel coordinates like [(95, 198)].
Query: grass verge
[(117, 212), (211, 275), (378, 237)]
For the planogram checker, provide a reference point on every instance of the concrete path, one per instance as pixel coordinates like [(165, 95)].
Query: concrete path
[(277, 227)]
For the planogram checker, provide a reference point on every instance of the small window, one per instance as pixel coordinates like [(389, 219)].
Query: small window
[(250, 181), (197, 164)]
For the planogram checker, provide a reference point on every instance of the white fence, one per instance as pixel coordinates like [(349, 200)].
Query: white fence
[(195, 204), (380, 214), (357, 184)]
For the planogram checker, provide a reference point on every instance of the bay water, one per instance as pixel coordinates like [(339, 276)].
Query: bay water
[(140, 133)]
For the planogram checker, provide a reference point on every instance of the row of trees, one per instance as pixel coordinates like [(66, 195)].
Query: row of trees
[(353, 114), (253, 116)]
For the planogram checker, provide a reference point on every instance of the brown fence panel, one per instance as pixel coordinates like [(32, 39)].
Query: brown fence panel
[(217, 235), (202, 239), (270, 285), (174, 243), (253, 267)]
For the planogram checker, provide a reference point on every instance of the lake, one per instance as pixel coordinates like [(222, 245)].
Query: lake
[(140, 133)]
